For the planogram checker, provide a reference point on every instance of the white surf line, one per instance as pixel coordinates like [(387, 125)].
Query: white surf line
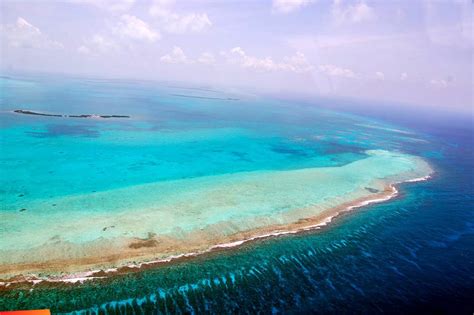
[(86, 276), (419, 179)]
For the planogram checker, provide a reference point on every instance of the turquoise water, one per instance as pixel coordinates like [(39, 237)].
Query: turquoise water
[(235, 202), (225, 164), (72, 169)]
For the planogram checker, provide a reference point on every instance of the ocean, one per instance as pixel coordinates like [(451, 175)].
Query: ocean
[(414, 253)]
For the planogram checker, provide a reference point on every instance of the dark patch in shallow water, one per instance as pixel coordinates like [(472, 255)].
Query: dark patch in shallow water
[(58, 130), (149, 241), (241, 156), (337, 148), (372, 190), (143, 243), (289, 150)]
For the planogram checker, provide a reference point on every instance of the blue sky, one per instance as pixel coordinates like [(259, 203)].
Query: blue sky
[(417, 52)]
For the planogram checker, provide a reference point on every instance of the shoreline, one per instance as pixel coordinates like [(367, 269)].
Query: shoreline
[(233, 242)]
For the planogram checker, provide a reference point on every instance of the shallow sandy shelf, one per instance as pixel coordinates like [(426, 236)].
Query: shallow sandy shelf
[(160, 221)]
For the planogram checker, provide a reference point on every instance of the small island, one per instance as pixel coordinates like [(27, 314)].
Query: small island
[(29, 112)]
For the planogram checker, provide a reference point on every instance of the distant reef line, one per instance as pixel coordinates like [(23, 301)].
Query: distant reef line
[(207, 97), (29, 112)]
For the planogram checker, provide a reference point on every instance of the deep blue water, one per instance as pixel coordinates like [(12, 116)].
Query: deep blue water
[(414, 254)]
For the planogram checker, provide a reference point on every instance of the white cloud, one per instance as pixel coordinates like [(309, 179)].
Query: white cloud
[(194, 22), (110, 5), (98, 44), (129, 27), (297, 63), (246, 61), (83, 50), (161, 7), (403, 76), (206, 58), (380, 75), (132, 27), (23, 34), (178, 23), (287, 6), (352, 13), (176, 56), (439, 83), (238, 50), (21, 23), (336, 71), (103, 44)]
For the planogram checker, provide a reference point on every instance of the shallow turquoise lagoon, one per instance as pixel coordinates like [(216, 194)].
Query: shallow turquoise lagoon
[(187, 158)]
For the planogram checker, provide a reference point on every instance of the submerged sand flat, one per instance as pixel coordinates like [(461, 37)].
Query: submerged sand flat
[(159, 220)]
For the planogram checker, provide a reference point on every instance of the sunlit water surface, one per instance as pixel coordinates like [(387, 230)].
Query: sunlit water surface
[(412, 253)]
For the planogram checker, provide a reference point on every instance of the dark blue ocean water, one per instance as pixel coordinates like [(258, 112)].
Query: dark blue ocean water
[(414, 254)]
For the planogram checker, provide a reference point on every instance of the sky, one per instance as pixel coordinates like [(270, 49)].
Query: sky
[(414, 52)]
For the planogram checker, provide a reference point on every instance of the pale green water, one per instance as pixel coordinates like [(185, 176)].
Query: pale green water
[(238, 202), (178, 165)]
